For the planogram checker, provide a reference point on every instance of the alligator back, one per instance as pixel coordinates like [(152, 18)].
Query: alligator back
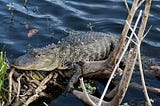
[(88, 46)]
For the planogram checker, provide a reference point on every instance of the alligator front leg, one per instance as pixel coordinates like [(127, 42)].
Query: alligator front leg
[(77, 73)]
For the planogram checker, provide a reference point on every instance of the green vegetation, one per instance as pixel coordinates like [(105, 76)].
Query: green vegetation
[(10, 6), (90, 26), (37, 78), (3, 68), (90, 87), (125, 104), (152, 100)]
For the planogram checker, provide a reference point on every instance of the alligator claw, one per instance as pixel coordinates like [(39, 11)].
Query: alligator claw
[(68, 89)]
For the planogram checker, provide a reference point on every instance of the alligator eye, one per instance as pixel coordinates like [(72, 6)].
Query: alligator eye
[(38, 55)]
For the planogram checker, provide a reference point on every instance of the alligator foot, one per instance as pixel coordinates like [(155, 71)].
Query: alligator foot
[(78, 72)]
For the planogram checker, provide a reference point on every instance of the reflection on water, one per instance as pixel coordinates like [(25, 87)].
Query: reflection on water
[(53, 17)]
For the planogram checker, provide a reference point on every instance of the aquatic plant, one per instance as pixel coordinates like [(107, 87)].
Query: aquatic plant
[(89, 85), (125, 104), (3, 68), (90, 26), (36, 77), (10, 6)]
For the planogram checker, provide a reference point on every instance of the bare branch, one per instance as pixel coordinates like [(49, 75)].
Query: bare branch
[(140, 3), (19, 86), (117, 64), (39, 89), (150, 89), (155, 67), (124, 83), (133, 31), (140, 35), (146, 32), (115, 55), (142, 76), (85, 92), (145, 18), (132, 41), (45, 103), (81, 95), (126, 4), (10, 84)]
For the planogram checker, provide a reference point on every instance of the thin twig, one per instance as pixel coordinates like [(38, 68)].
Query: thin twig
[(140, 3), (19, 86), (136, 2), (142, 76), (85, 92), (42, 85), (146, 32), (139, 40), (45, 103), (132, 40), (140, 35), (80, 95), (39, 89), (10, 84), (126, 4), (155, 67), (116, 53), (117, 65), (126, 78), (135, 35)]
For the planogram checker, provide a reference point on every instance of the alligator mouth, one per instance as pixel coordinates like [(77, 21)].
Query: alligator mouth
[(29, 68), (22, 67)]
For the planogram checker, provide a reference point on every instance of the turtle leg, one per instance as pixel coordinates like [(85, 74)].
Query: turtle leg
[(77, 73)]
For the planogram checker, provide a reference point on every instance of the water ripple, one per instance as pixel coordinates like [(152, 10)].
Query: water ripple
[(53, 17), (152, 43)]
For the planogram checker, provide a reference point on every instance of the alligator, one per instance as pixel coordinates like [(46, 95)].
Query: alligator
[(88, 46)]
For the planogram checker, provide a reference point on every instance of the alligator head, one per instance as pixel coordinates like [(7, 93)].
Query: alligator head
[(46, 58)]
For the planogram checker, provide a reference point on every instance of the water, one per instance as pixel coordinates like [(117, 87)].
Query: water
[(53, 17)]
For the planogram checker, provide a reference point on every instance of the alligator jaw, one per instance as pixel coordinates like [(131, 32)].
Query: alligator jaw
[(29, 68), (29, 62), (21, 67)]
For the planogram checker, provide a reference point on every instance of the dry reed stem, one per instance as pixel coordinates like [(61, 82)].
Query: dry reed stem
[(19, 85), (127, 7), (86, 94), (39, 89), (10, 84), (117, 64), (115, 55), (140, 35)]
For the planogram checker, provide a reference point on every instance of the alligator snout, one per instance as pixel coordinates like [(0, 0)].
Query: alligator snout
[(23, 62)]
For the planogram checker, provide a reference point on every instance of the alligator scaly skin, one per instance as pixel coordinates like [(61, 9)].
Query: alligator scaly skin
[(88, 46)]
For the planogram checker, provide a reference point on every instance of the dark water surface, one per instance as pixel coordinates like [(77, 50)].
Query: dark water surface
[(53, 17)]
